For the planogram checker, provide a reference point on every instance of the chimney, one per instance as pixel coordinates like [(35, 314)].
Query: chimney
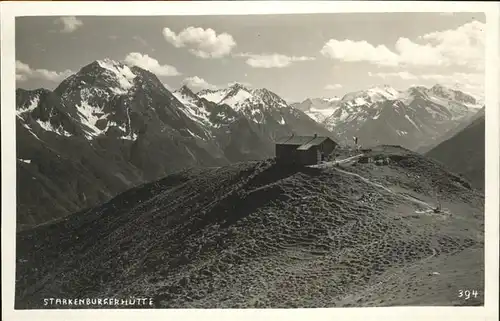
[(315, 135)]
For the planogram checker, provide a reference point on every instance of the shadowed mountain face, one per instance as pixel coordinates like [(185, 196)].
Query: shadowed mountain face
[(452, 132), (256, 235), (464, 152), (110, 127)]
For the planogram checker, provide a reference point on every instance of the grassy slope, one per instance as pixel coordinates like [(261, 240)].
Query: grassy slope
[(257, 235)]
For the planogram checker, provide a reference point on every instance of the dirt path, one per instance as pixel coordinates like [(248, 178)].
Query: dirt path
[(411, 199)]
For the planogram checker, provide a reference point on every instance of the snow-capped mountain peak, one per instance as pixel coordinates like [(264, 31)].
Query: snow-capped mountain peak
[(370, 96), (267, 98), (442, 91), (403, 116), (384, 91), (122, 74), (238, 96), (187, 92), (319, 108), (238, 86), (191, 105), (453, 94), (105, 75)]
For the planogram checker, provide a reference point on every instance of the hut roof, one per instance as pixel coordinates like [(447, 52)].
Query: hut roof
[(314, 142), (302, 142), (294, 140)]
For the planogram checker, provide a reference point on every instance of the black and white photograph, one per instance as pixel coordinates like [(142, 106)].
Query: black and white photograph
[(259, 161)]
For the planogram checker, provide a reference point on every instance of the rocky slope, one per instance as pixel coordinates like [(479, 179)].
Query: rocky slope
[(110, 127), (382, 115), (464, 152), (256, 235)]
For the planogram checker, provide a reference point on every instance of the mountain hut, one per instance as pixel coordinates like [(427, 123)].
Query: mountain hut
[(303, 150)]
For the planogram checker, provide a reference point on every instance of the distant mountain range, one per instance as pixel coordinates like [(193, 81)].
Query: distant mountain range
[(382, 115), (110, 127)]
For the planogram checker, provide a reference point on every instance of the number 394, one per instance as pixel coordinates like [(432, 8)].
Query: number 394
[(467, 294)]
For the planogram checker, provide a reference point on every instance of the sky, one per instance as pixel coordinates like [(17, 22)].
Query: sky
[(297, 56)]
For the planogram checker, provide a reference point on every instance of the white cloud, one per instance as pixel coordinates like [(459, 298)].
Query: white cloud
[(198, 83), (355, 51), (25, 72), (151, 64), (472, 83), (333, 86), (274, 60), (69, 24), (20, 77), (400, 74), (204, 43), (463, 46)]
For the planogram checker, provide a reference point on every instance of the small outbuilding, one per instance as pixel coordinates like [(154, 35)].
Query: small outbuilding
[(304, 150)]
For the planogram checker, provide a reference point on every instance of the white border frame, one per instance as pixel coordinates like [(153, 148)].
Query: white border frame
[(9, 10)]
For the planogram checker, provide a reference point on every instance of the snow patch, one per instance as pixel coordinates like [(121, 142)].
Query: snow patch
[(406, 98), (320, 115), (32, 105), (213, 96), (473, 106), (412, 122), (192, 110), (236, 101), (131, 137), (343, 115), (386, 92), (255, 113), (89, 115), (401, 132), (239, 98), (193, 134), (27, 161), (31, 131), (87, 93), (360, 101), (123, 128), (190, 153), (123, 75), (47, 126)]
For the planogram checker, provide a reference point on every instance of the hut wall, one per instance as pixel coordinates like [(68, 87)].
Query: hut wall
[(327, 147), (309, 157), (286, 154)]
